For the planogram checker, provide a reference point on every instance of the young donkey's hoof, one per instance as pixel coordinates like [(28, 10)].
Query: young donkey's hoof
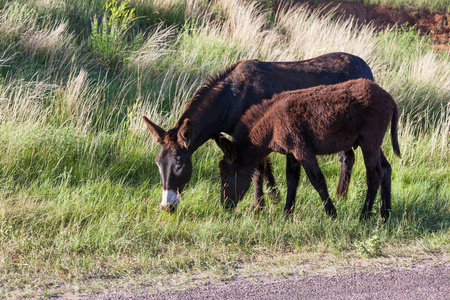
[(384, 215), (330, 210), (257, 208), (258, 204), (332, 213), (288, 211)]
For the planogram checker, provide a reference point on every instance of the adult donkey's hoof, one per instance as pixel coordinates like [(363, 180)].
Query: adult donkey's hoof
[(274, 195), (365, 216)]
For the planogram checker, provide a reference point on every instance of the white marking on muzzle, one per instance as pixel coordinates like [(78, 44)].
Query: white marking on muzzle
[(169, 199)]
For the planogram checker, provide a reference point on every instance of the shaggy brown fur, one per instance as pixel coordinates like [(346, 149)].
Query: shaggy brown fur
[(315, 121)]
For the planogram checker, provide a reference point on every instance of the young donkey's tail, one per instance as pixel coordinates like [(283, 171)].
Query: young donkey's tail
[(394, 138)]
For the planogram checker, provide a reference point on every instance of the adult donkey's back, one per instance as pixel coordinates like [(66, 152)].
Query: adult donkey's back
[(217, 106)]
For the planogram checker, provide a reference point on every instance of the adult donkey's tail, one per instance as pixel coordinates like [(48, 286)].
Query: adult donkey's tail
[(394, 138)]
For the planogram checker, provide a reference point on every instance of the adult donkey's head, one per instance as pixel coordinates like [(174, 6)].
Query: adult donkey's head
[(173, 160)]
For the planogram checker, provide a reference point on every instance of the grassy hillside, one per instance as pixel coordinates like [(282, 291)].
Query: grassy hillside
[(79, 190)]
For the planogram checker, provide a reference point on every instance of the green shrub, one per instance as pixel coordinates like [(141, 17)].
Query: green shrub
[(109, 35)]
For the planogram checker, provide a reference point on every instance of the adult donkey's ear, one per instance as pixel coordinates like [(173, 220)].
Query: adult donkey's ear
[(185, 133), (226, 146), (156, 131)]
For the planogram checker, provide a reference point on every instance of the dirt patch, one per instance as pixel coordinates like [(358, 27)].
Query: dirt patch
[(434, 24)]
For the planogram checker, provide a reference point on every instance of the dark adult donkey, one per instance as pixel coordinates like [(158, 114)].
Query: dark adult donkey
[(217, 107), (309, 122)]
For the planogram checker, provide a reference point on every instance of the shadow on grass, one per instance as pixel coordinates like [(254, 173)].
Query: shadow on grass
[(422, 217)]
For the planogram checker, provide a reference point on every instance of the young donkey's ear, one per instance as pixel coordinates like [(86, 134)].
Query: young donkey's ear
[(156, 131), (226, 146), (185, 133)]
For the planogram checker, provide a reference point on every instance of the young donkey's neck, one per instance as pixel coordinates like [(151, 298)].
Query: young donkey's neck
[(253, 135)]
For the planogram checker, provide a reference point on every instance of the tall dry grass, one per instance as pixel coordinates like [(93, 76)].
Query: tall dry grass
[(23, 101), (157, 45), (296, 33)]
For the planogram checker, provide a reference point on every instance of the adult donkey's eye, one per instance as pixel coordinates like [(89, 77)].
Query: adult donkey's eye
[(177, 169)]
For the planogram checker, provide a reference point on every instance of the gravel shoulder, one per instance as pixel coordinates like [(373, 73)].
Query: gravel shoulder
[(424, 278)]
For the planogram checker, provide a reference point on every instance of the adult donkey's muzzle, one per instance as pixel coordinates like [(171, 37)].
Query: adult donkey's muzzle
[(169, 200)]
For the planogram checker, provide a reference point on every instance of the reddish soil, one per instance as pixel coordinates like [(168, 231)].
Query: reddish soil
[(434, 24)]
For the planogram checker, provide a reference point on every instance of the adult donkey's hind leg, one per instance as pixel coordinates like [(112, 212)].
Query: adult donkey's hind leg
[(347, 160), (274, 193), (258, 175), (385, 208)]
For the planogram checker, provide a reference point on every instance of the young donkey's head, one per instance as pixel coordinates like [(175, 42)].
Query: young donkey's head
[(234, 175), (173, 160)]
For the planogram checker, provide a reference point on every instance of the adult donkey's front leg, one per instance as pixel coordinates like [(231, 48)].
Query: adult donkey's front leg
[(385, 209)]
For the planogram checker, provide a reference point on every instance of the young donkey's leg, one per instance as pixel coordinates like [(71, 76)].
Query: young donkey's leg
[(316, 178), (385, 209), (375, 173), (347, 159), (258, 201), (274, 193), (292, 177)]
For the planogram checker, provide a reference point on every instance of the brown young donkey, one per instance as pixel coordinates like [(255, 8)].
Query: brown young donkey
[(315, 121)]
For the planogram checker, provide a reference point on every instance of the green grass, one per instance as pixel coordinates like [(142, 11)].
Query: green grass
[(79, 190)]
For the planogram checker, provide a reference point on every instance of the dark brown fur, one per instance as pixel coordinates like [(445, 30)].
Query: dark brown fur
[(315, 121)]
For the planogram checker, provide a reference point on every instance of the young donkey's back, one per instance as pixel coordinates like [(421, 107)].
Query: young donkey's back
[(310, 122)]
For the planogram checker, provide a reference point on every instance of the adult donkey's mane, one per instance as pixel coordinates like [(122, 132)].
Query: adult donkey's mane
[(198, 98), (196, 105)]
